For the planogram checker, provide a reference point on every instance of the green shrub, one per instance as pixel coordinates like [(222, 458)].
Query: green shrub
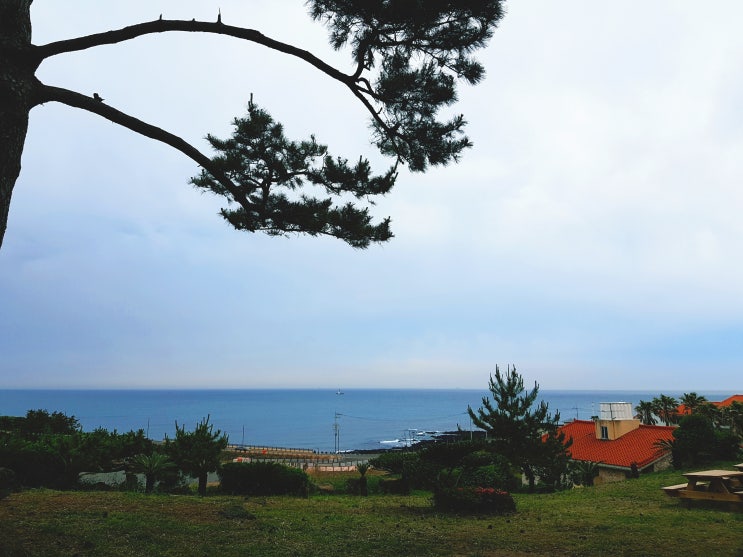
[(11, 423), (477, 459), (56, 460), (393, 461), (694, 441), (497, 473), (8, 482), (350, 486), (262, 478), (373, 484), (353, 486), (34, 464), (394, 486), (485, 500), (727, 445), (421, 474)]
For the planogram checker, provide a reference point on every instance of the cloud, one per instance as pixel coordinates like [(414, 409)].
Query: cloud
[(591, 236)]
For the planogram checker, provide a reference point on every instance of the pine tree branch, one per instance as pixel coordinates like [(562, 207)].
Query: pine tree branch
[(48, 93), (193, 26), (353, 82)]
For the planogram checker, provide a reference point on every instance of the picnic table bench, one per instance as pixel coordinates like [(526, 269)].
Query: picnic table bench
[(673, 490), (725, 486)]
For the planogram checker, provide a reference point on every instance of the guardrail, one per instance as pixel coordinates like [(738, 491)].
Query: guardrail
[(311, 466), (304, 459), (272, 450)]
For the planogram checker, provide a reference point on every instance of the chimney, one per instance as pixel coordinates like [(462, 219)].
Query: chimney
[(614, 420)]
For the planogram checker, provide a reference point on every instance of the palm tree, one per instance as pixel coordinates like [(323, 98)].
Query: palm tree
[(585, 471), (154, 466), (362, 468), (669, 445), (665, 408), (713, 413), (692, 401), (645, 412)]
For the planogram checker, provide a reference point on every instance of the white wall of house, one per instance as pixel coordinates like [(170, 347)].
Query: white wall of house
[(611, 474)]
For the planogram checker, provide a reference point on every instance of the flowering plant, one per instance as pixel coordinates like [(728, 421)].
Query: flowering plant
[(474, 499)]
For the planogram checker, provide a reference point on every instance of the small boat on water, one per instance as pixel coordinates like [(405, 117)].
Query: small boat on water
[(339, 392)]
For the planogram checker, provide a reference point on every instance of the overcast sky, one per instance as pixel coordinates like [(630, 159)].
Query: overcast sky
[(592, 236)]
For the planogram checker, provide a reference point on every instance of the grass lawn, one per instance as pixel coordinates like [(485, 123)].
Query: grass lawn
[(628, 518)]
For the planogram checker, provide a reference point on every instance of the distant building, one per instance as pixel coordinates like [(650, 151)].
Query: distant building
[(617, 442)]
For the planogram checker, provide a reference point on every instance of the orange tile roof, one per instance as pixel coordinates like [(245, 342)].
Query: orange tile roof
[(682, 409), (637, 446), (729, 400)]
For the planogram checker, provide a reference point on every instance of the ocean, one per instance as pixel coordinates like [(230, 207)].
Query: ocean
[(320, 419)]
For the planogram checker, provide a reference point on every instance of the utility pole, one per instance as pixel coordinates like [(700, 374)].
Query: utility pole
[(337, 434)]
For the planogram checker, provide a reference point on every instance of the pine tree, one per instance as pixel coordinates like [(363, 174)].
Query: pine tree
[(525, 434), (197, 452), (407, 57)]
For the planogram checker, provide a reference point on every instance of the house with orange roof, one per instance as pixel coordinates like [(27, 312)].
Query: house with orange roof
[(618, 443), (683, 410)]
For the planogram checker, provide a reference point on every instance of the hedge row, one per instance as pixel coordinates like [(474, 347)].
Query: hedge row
[(262, 478)]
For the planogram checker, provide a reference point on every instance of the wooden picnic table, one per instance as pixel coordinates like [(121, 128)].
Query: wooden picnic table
[(711, 485), (719, 481)]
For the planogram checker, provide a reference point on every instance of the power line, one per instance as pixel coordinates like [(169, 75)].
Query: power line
[(413, 418)]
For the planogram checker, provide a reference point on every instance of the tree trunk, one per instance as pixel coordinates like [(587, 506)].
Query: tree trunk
[(149, 483), (363, 486), (530, 477), (202, 484), (17, 83)]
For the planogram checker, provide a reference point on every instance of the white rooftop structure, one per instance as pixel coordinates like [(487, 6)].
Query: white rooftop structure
[(615, 411)]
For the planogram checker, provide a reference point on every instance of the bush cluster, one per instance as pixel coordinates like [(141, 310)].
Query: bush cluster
[(262, 478), (696, 441), (55, 460)]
